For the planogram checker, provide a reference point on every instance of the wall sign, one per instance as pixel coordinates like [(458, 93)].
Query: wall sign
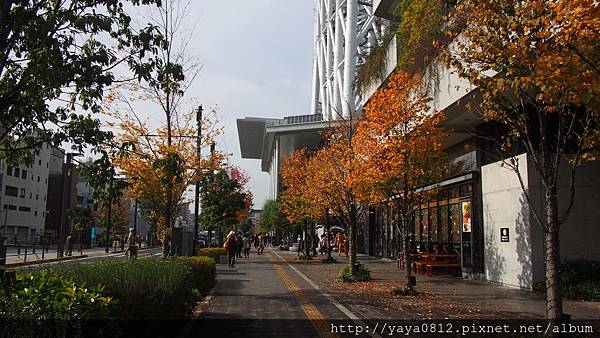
[(504, 235)]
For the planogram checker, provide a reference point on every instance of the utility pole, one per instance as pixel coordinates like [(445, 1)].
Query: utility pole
[(198, 174), (135, 217), (109, 214), (66, 203), (212, 156)]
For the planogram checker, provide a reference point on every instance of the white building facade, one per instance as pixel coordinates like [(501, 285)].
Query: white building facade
[(23, 197)]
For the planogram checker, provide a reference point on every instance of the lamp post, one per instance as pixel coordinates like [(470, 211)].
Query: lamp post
[(197, 199), (109, 214)]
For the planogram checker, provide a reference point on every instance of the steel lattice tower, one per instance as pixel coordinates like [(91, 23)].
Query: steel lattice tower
[(345, 32)]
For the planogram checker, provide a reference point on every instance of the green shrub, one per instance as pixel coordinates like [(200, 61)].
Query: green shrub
[(402, 291), (580, 280), (145, 288), (213, 253), (204, 271), (42, 295), (362, 274), (44, 304)]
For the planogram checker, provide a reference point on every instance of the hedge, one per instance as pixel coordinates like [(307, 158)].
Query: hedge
[(213, 253), (46, 304), (145, 288), (204, 271)]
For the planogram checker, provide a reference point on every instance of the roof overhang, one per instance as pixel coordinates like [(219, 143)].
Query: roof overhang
[(461, 121), (251, 134), (384, 9), (287, 129)]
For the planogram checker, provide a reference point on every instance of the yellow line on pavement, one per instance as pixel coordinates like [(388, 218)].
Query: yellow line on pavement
[(311, 312)]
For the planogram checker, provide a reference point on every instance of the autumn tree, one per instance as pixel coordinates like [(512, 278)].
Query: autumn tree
[(296, 200), (335, 183), (537, 65), (158, 172), (400, 145), (57, 58)]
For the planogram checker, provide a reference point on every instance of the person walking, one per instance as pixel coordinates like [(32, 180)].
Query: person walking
[(261, 244), (246, 243), (131, 245), (230, 246), (69, 245), (239, 245), (300, 246)]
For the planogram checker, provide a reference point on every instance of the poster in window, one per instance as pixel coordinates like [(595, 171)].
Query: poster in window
[(466, 215)]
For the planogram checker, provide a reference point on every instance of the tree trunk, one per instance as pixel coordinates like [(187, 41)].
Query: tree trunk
[(328, 229), (352, 240), (554, 308), (407, 262)]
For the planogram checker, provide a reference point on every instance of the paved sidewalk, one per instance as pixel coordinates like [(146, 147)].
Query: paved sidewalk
[(445, 296), (263, 297)]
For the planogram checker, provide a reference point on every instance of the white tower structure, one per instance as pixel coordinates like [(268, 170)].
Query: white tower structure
[(345, 31)]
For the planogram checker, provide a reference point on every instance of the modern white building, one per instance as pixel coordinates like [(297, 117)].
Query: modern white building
[(23, 197), (479, 211)]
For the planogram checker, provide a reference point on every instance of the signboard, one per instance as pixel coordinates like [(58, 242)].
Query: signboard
[(504, 235), (465, 208), (93, 231)]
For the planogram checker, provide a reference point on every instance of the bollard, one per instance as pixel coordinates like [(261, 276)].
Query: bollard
[(33, 248), (25, 254), (43, 253)]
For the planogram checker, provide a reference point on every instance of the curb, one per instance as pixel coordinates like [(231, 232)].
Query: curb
[(50, 260), (61, 259)]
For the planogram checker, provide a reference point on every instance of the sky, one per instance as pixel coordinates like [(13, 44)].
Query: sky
[(257, 61)]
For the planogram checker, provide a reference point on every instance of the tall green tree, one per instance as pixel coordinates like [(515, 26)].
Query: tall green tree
[(272, 217), (56, 61), (224, 201)]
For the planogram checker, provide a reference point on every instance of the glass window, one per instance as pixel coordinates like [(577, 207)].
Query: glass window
[(37, 196), (425, 220), (17, 172), (9, 170), (22, 195), (444, 223), (433, 222), (38, 178), (24, 174), (26, 209), (417, 226), (466, 189), (11, 191), (455, 222), (35, 214), (454, 192)]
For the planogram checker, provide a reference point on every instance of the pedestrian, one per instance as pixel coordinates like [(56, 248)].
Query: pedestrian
[(69, 245), (246, 243), (229, 245), (300, 246), (323, 244), (239, 243), (255, 236), (261, 244), (131, 245)]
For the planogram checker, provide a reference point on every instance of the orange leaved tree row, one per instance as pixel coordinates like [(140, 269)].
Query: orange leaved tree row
[(335, 183), (296, 200), (400, 145), (537, 64)]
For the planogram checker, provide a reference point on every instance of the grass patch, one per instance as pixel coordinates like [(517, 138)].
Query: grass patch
[(579, 280), (362, 274)]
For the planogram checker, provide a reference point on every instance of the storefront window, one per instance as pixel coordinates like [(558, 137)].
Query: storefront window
[(425, 221), (455, 222), (444, 223), (417, 226), (433, 222)]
